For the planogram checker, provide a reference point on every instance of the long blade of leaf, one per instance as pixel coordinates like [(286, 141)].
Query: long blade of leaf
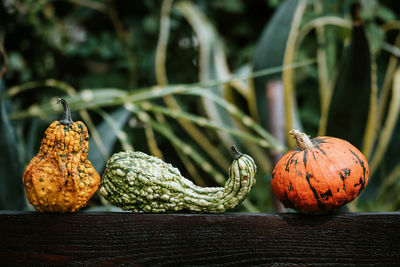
[(270, 51), (105, 97), (108, 129), (11, 169), (387, 83), (350, 102), (211, 62), (86, 99), (391, 180), (116, 121), (371, 126), (237, 113), (170, 100), (201, 121), (388, 134), (288, 75)]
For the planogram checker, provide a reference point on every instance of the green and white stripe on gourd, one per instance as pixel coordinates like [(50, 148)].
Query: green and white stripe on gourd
[(142, 183)]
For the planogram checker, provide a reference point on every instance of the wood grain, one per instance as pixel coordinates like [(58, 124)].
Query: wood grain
[(241, 239)]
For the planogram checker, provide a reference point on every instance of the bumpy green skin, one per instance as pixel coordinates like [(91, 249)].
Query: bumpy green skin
[(142, 183)]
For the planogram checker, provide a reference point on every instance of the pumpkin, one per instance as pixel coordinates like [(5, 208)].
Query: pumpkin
[(320, 175), (142, 183), (60, 178)]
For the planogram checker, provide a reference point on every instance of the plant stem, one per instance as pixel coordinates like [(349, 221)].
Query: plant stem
[(66, 119), (302, 140)]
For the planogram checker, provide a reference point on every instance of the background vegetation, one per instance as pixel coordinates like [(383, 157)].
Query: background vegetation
[(184, 80)]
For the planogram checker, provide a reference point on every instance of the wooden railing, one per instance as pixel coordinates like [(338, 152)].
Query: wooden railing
[(241, 239)]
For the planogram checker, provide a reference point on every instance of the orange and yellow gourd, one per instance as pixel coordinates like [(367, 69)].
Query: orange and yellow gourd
[(60, 178)]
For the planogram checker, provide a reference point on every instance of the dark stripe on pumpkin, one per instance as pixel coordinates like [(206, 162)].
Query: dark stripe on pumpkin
[(287, 202), (346, 172), (318, 140), (343, 176), (327, 194), (361, 182), (305, 158), (289, 161), (321, 206), (290, 187), (320, 149), (313, 154), (364, 170)]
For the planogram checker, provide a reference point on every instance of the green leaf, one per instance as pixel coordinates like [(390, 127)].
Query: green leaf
[(11, 170), (376, 37), (32, 140), (270, 51), (213, 65), (388, 145), (392, 153), (108, 136), (350, 103)]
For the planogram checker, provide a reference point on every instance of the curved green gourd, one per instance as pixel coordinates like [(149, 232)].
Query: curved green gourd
[(142, 183)]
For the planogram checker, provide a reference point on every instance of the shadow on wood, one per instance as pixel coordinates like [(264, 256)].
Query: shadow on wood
[(108, 239)]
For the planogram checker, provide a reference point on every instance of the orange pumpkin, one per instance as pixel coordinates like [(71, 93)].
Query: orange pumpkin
[(319, 175)]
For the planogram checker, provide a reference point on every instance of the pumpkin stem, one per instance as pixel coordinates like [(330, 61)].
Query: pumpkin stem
[(66, 119), (302, 140), (236, 153)]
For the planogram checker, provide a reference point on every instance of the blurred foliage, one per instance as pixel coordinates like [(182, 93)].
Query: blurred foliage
[(184, 80)]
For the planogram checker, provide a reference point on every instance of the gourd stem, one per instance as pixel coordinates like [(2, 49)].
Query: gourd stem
[(302, 140), (66, 119), (236, 153)]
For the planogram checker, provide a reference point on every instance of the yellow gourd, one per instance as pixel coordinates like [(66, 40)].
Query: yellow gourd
[(60, 178)]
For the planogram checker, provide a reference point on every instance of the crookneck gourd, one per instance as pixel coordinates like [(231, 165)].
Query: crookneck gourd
[(142, 183), (60, 178), (319, 175)]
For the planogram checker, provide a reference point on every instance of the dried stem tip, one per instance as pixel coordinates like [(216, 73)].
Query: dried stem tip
[(66, 119), (302, 140), (236, 153)]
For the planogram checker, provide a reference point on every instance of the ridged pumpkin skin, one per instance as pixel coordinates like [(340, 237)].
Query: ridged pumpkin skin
[(60, 178), (322, 178)]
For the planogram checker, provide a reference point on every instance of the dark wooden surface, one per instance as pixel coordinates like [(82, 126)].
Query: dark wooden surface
[(241, 239)]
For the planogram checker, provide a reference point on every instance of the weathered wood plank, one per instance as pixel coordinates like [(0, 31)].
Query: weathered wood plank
[(242, 239)]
